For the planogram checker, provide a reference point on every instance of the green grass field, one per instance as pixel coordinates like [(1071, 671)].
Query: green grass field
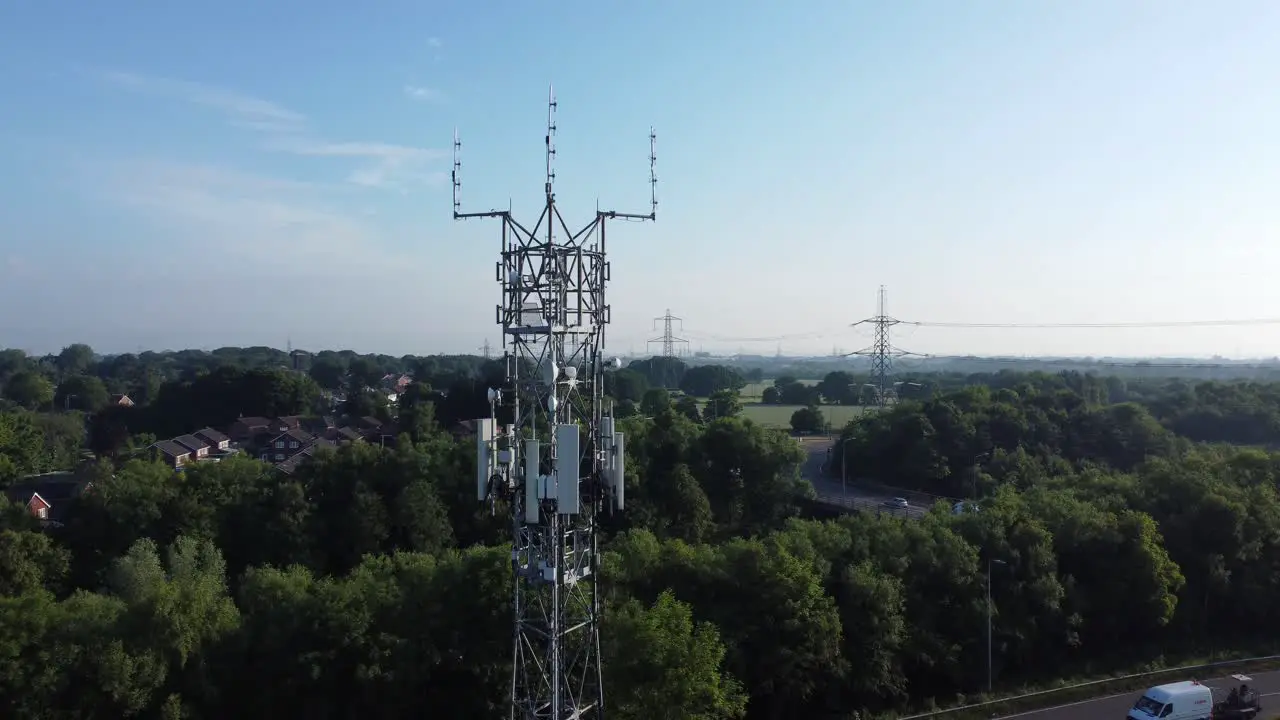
[(755, 391), (779, 416)]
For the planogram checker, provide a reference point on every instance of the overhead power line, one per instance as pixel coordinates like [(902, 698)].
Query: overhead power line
[(827, 332), (1151, 324), (1089, 363)]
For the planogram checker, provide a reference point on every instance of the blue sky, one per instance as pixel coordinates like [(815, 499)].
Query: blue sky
[(205, 174)]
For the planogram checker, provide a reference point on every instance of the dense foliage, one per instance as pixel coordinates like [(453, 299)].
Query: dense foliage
[(1114, 520)]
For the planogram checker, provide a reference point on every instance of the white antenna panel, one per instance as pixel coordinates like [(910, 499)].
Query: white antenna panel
[(618, 472), (530, 314), (532, 449), (484, 456), (568, 470)]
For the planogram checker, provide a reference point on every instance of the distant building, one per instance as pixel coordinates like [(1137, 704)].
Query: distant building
[(199, 448), (173, 454), (215, 439), (48, 496)]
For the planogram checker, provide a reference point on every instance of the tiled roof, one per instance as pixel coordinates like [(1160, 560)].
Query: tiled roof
[(191, 442), (291, 465), (171, 448), (211, 436)]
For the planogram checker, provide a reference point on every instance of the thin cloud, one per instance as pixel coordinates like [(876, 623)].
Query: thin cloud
[(241, 110), (434, 42), (385, 165), (425, 94), (379, 165), (228, 216)]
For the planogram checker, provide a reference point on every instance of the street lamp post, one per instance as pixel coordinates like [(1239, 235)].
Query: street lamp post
[(973, 481), (990, 562), (844, 465)]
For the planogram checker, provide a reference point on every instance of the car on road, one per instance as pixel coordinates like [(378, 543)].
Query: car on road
[(900, 503), (1192, 700)]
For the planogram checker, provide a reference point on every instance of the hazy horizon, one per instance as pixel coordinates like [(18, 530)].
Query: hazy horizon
[(988, 162)]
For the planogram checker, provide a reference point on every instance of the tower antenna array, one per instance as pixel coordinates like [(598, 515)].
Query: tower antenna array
[(668, 338), (549, 447), (882, 352)]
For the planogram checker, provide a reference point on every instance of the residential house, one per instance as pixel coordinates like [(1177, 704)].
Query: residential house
[(285, 445), (290, 466), (214, 439), (122, 401), (39, 507), (286, 423), (319, 425), (48, 495), (395, 383), (199, 448), (172, 453), (342, 434), (245, 429)]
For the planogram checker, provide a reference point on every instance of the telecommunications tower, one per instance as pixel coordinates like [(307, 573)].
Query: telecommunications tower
[(549, 447)]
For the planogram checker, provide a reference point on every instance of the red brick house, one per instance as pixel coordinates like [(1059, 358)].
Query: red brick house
[(39, 507), (214, 439), (47, 496), (286, 445), (247, 428), (199, 448), (172, 453)]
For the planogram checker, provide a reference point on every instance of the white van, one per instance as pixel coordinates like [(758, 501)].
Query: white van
[(1186, 700)]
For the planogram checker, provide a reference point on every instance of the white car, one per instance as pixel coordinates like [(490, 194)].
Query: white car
[(897, 503)]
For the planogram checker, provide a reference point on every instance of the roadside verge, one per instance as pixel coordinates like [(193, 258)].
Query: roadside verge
[(1101, 688)]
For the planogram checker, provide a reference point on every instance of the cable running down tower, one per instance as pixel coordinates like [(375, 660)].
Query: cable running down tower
[(882, 352), (668, 339), (549, 447)]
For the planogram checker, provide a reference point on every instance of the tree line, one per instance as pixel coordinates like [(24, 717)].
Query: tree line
[(1116, 521)]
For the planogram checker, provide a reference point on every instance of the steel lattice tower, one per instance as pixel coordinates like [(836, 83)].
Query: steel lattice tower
[(668, 339), (555, 456), (882, 352)]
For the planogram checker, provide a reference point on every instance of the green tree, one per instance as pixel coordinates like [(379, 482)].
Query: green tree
[(81, 392), (661, 665), (808, 420), (655, 402), (75, 359), (839, 388), (626, 384), (30, 563), (722, 404), (29, 389), (706, 380), (687, 407), (329, 372)]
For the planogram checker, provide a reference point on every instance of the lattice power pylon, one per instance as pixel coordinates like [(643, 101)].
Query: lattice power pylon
[(669, 339), (550, 447), (882, 352)]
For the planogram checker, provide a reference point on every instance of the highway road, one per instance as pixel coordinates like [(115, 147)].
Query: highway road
[(833, 492), (1116, 707)]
